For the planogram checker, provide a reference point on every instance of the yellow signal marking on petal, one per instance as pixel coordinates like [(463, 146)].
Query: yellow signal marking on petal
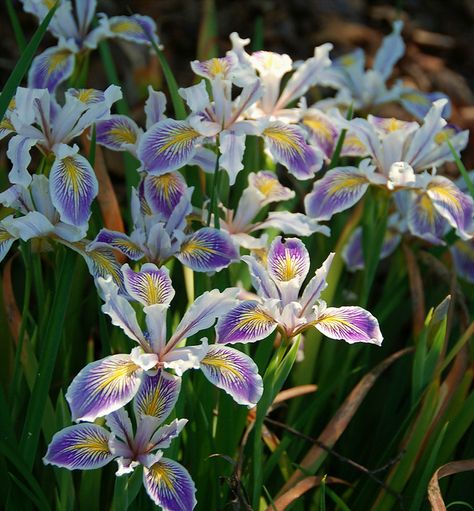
[(353, 141), (222, 364), (5, 235), (393, 124), (49, 4), (6, 124), (116, 375), (217, 66), (444, 135), (347, 60), (416, 98), (105, 264), (428, 208), (267, 185), (161, 474), (151, 404), (85, 95), (165, 183), (178, 139), (253, 320), (319, 127), (56, 60), (282, 138), (126, 26), (123, 134), (193, 246), (152, 289), (73, 173), (346, 182), (95, 445)]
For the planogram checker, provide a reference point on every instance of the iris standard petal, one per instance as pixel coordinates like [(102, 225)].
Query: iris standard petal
[(82, 446), (234, 372), (103, 386), (150, 285)]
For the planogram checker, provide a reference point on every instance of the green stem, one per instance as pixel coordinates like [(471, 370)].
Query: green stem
[(214, 206)]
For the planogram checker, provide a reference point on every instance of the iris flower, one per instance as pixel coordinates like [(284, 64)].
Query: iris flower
[(401, 152), (88, 446), (107, 385), (161, 210), (35, 119), (264, 189), (285, 306), (71, 25)]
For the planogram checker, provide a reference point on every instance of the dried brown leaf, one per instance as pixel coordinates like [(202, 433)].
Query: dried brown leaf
[(434, 492), (342, 417)]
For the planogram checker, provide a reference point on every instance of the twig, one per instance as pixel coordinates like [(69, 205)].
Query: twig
[(370, 473)]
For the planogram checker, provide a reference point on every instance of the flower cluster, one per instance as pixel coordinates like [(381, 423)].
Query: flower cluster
[(263, 95)]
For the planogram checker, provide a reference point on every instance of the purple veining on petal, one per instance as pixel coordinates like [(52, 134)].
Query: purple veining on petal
[(351, 324), (249, 321), (338, 190), (73, 187), (82, 446), (51, 68), (118, 241), (208, 249), (168, 145), (287, 260), (103, 387), (117, 133), (170, 486), (149, 285), (288, 147), (157, 395), (164, 192), (234, 372)]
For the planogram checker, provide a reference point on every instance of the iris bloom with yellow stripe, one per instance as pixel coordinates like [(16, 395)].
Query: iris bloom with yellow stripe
[(88, 446), (106, 385), (285, 306), (72, 26)]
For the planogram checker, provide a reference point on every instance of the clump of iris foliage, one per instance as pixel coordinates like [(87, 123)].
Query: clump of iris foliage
[(310, 257)]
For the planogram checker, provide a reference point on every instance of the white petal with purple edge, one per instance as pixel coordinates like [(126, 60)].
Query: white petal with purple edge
[(119, 309), (157, 395), (163, 437), (168, 145), (155, 107), (170, 486), (203, 313), (82, 446), (316, 285), (150, 285), (351, 324), (234, 372), (287, 260), (207, 249), (103, 387), (249, 321), (73, 187)]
